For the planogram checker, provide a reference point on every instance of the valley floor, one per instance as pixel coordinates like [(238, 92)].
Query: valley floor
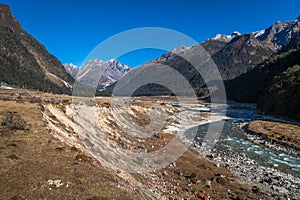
[(42, 158)]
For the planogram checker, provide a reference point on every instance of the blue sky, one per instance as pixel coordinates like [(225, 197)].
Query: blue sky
[(70, 29)]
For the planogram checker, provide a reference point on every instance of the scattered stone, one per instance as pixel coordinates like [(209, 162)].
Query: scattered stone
[(208, 183), (255, 189), (210, 156), (280, 189), (249, 171), (142, 149), (82, 157), (56, 183), (172, 164)]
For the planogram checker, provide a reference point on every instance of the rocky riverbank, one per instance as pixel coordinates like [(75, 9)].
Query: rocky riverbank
[(274, 135), (263, 179)]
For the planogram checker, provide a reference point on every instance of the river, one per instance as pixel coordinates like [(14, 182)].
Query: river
[(252, 163), (232, 136)]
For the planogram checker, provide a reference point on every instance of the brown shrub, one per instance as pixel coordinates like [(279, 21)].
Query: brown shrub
[(13, 121)]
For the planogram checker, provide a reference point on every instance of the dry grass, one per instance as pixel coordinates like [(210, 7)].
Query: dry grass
[(284, 133), (189, 177), (31, 157), (193, 174)]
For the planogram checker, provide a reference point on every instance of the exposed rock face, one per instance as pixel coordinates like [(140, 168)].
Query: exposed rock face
[(280, 33), (24, 62), (114, 70), (71, 69)]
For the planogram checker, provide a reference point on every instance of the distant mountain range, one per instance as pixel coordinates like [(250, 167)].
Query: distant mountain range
[(233, 54), (260, 67), (114, 70), (26, 63)]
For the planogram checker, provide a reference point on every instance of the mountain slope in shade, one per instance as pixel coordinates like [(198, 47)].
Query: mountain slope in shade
[(274, 85), (244, 51), (24, 62), (232, 58), (233, 54), (213, 46), (90, 71), (241, 54)]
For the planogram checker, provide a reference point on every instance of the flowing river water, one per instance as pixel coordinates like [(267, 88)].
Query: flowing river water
[(252, 163), (233, 137)]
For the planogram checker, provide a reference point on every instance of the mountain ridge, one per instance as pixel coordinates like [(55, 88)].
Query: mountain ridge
[(233, 54), (273, 85), (114, 70), (26, 63)]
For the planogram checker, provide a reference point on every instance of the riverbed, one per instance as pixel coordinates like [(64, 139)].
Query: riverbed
[(273, 171)]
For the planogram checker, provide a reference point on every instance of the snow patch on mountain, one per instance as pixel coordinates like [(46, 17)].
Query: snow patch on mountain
[(111, 71), (180, 49), (258, 33), (226, 38)]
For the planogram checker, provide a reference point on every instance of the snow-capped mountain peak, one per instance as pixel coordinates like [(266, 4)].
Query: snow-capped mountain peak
[(114, 70), (180, 49), (72, 65), (221, 37), (71, 69), (235, 33), (279, 34), (226, 38), (112, 60)]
